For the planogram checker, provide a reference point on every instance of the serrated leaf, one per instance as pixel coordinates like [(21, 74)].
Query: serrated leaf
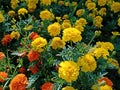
[(32, 80)]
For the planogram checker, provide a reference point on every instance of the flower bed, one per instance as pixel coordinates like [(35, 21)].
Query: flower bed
[(59, 44)]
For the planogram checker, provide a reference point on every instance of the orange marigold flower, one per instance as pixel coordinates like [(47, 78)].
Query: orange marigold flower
[(34, 35), (19, 82), (6, 39), (33, 55), (47, 86), (2, 55), (34, 69), (3, 76), (22, 70), (107, 81)]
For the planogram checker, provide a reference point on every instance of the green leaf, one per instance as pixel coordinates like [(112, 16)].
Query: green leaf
[(32, 80)]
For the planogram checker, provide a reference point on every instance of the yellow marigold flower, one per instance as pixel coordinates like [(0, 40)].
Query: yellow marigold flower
[(68, 70), (68, 88), (54, 29), (1, 17), (101, 52), (115, 7), (105, 87), (14, 3), (22, 11), (11, 13), (38, 44), (87, 1), (114, 62), (102, 11), (91, 15), (74, 3), (79, 27), (46, 2), (87, 63), (29, 27), (102, 2), (97, 22), (66, 24), (118, 22), (46, 15), (15, 35), (81, 21), (67, 4), (65, 16), (105, 45), (57, 43), (31, 5), (91, 5), (80, 12), (71, 34), (60, 2)]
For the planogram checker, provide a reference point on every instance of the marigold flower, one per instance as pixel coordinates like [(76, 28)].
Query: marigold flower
[(68, 88), (6, 39), (91, 6), (54, 29), (115, 7), (22, 11), (14, 3), (46, 2), (107, 81), (102, 2), (66, 24), (68, 70), (11, 13), (15, 35), (106, 87), (47, 86), (102, 11), (81, 21), (80, 12), (71, 34), (38, 44), (33, 55), (100, 52), (34, 35), (19, 82), (1, 17), (105, 45), (97, 22), (34, 69), (46, 15), (2, 55), (114, 62), (57, 43), (3, 76), (87, 63), (22, 70)]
